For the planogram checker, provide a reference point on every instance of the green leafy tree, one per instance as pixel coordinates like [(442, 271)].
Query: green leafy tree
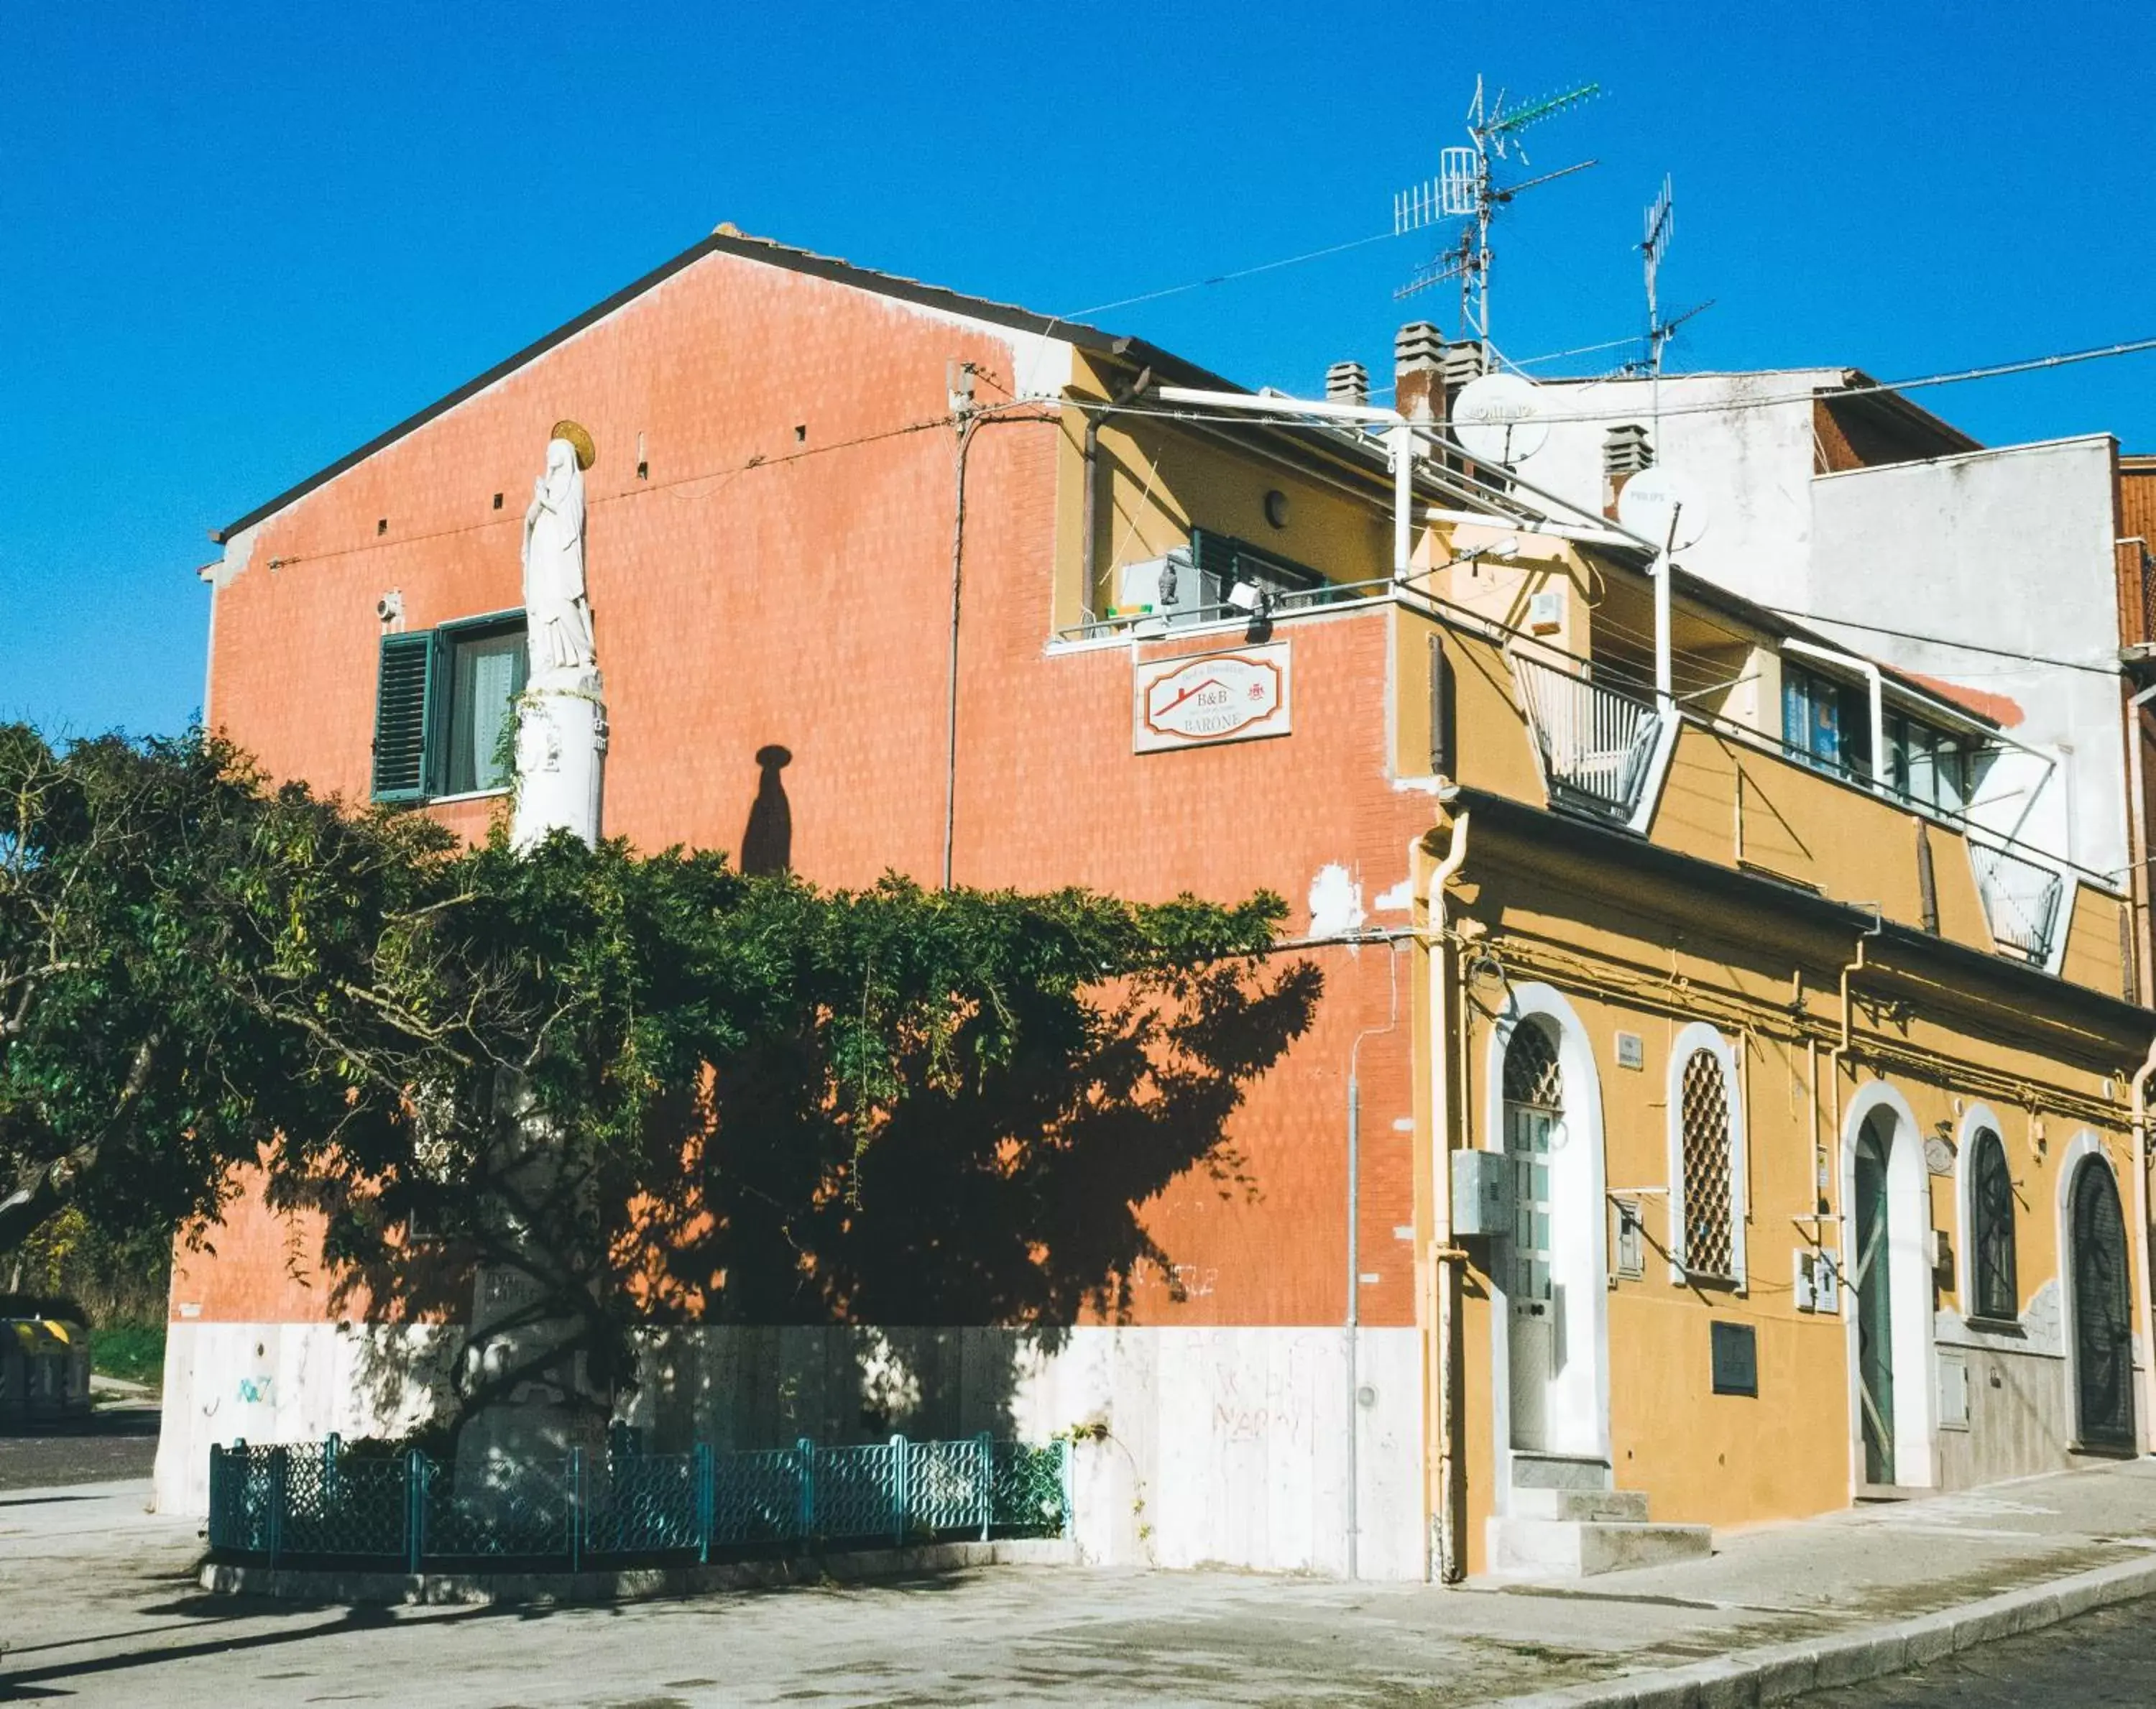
[(171, 933)]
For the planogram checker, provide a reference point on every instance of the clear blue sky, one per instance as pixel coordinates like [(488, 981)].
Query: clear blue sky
[(238, 240)]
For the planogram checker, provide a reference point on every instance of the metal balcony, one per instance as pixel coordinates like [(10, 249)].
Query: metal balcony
[(2021, 901), (1597, 745)]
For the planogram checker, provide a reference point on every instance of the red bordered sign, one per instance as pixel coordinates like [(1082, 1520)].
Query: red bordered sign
[(1191, 702)]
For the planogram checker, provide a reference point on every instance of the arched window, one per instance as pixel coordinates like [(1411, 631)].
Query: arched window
[(1994, 1290), (1534, 1104), (1709, 1228)]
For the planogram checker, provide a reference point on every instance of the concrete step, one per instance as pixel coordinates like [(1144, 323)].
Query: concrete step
[(1559, 1472), (1628, 1507), (1567, 1548)]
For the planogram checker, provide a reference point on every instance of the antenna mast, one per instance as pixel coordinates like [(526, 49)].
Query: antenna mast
[(1463, 189)]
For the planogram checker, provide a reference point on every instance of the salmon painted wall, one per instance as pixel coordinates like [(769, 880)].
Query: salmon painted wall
[(783, 577)]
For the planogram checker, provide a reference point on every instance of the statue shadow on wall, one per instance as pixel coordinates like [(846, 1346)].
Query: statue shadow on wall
[(767, 844)]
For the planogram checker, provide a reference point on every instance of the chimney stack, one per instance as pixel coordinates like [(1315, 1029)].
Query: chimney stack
[(1464, 361), (1625, 452), (1347, 382), (1418, 357)]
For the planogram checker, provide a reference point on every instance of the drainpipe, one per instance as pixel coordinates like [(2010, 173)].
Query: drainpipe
[(1354, 1312), (1446, 1257), (2137, 842), (1850, 661), (2141, 1079), (1093, 421)]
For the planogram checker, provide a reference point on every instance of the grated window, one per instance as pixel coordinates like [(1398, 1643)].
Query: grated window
[(1992, 1189), (1531, 1068), (1710, 1246)]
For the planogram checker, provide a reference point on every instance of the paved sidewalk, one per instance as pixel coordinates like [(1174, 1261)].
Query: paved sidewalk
[(98, 1602)]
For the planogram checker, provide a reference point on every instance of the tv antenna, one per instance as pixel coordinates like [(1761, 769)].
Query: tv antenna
[(1465, 189), (1661, 225)]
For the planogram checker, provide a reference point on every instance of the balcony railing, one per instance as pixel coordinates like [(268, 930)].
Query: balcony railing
[(1597, 745), (2021, 901)]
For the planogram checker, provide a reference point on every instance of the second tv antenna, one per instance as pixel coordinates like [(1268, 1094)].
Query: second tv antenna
[(1463, 189)]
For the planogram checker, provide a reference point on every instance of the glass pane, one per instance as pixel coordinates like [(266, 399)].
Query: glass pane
[(485, 676), (1902, 739)]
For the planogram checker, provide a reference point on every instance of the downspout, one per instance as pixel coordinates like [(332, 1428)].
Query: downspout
[(2145, 1302), (2138, 843), (966, 430), (1090, 557), (1838, 1055), (1445, 1257), (1354, 1312)]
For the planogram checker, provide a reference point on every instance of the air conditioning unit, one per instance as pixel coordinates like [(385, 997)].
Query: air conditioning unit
[(1157, 592)]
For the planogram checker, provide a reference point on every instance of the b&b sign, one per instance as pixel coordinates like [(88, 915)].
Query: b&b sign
[(1189, 702)]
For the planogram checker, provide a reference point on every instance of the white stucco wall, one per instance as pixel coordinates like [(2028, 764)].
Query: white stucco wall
[(2011, 548), (1224, 1446), (1749, 462)]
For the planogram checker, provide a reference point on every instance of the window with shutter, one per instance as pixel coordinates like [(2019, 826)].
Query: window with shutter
[(1707, 1197), (406, 690)]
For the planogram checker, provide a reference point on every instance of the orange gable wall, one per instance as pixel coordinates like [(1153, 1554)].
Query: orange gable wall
[(803, 599)]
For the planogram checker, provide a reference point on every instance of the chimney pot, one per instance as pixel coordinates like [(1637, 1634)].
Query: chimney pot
[(1464, 361), (1347, 382), (1625, 450)]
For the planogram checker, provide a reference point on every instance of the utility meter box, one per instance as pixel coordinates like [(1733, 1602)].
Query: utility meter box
[(1482, 1194)]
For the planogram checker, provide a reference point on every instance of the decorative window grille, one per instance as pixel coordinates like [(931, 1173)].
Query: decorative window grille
[(1710, 1242), (1996, 1292), (1531, 1076)]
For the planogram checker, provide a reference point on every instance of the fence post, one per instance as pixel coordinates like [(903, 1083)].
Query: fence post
[(329, 1445), (1063, 1469), (277, 1462), (901, 1493), (415, 1510), (806, 1518), (703, 1501), (575, 1509), (984, 1446)]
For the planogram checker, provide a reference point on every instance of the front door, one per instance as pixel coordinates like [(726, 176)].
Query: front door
[(1533, 1106), (1872, 1282), (2103, 1325)]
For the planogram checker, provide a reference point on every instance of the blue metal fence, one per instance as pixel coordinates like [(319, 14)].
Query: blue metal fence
[(301, 1501)]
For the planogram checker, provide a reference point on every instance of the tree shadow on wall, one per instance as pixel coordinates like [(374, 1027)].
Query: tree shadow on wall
[(845, 1284), (910, 1142)]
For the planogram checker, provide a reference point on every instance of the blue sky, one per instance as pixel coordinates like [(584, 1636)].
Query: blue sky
[(237, 240)]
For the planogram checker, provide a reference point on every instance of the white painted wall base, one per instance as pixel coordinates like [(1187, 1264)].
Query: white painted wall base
[(1222, 1446)]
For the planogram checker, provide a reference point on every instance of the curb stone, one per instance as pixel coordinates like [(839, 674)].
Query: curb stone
[(626, 1585), (1776, 1673)]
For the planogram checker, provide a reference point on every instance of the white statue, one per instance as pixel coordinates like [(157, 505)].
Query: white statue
[(557, 612)]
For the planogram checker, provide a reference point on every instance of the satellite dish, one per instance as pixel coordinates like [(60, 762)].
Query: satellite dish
[(1498, 420), (1660, 504)]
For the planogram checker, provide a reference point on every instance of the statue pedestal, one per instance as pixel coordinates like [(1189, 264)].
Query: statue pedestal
[(561, 757)]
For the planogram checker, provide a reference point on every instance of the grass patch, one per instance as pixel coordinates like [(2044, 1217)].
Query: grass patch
[(133, 1353)]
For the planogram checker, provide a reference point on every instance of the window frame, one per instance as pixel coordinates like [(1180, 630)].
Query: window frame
[(1979, 1125), (1692, 1040), (437, 700)]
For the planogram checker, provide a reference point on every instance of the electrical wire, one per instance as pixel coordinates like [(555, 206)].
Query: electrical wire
[(1942, 641), (1153, 296)]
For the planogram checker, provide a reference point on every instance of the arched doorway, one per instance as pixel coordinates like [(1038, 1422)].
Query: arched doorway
[(1534, 1111), (1871, 1280), (1887, 1272), (2102, 1311), (1550, 1387)]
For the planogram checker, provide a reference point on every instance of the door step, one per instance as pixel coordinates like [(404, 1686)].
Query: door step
[(1577, 1548), (1623, 1506), (1559, 1472)]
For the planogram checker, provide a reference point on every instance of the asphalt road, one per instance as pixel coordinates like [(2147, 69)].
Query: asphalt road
[(2103, 1660), (116, 1441)]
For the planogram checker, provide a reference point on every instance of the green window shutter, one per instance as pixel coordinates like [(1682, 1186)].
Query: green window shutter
[(408, 686), (1215, 556)]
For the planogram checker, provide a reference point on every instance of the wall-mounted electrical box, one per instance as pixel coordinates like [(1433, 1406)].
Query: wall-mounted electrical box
[(1546, 612), (1954, 1392), (1482, 1194), (1817, 1282)]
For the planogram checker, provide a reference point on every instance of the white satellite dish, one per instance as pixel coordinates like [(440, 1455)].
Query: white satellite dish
[(1498, 418), (1662, 505)]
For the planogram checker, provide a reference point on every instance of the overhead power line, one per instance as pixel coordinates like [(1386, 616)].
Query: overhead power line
[(1943, 641)]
